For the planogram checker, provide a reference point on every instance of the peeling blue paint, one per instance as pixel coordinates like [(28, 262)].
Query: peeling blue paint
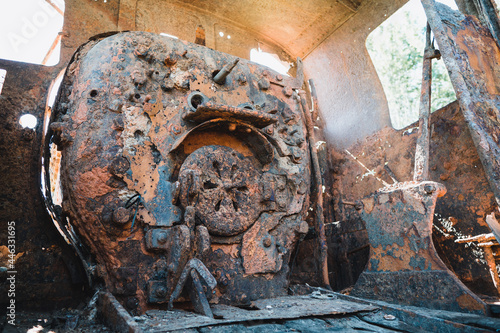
[(417, 262), (161, 206), (374, 264)]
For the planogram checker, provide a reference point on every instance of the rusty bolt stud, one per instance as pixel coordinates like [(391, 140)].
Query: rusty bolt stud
[(121, 215), (264, 84), (267, 242), (270, 130), (429, 189), (176, 192), (220, 77), (161, 292), (279, 77), (162, 237), (303, 228), (141, 51), (242, 80), (170, 60), (287, 91), (358, 205)]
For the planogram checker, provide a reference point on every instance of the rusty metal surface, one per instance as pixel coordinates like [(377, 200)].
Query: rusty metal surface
[(319, 220), (226, 186), (51, 275), (223, 188), (46, 265), (472, 57), (278, 308), (453, 162), (403, 266), (327, 312), (114, 314), (48, 261)]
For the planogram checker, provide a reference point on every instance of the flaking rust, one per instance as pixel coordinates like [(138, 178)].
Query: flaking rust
[(172, 177), (403, 266)]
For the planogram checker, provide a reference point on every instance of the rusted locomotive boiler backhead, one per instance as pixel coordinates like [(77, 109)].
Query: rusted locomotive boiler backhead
[(170, 177)]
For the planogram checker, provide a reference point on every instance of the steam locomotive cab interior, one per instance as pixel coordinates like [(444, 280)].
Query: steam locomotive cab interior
[(177, 169)]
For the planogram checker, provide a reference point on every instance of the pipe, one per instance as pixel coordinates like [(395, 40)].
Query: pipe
[(320, 223), (421, 170), (220, 78)]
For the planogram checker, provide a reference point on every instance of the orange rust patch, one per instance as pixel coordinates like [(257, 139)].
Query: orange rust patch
[(476, 57), (198, 140), (229, 249), (92, 184), (81, 113), (145, 176), (466, 301)]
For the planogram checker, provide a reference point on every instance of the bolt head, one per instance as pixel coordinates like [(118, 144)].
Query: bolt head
[(429, 188), (287, 91), (267, 242), (162, 237), (121, 215), (161, 292)]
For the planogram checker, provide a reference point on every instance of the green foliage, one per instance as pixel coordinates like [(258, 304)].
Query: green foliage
[(396, 48)]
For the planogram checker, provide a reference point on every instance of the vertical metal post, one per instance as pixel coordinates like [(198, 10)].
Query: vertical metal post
[(320, 220), (421, 171), (474, 101)]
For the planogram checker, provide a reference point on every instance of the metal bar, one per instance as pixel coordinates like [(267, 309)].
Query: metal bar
[(59, 10), (478, 238), (487, 150), (198, 297), (320, 223), (421, 170), (490, 259), (220, 78), (203, 272), (315, 112), (51, 50), (490, 17)]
